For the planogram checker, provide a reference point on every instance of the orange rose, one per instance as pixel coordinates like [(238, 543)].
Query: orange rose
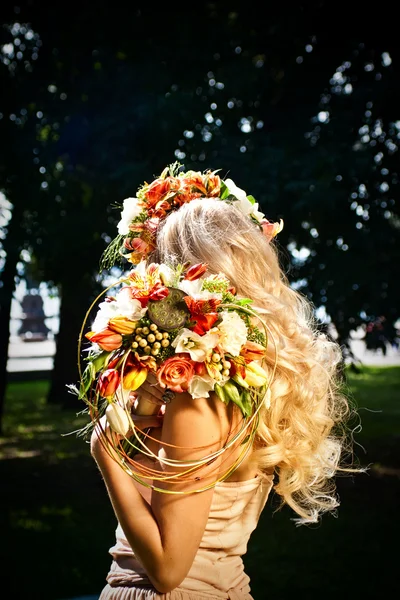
[(107, 339), (176, 373)]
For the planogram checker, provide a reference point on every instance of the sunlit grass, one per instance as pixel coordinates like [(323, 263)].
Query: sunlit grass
[(55, 506), (32, 427)]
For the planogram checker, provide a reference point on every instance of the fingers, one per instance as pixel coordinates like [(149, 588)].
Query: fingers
[(152, 388), (144, 393)]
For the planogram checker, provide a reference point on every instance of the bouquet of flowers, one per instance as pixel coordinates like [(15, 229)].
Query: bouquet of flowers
[(187, 331)]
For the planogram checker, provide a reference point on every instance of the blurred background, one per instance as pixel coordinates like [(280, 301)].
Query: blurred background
[(300, 105)]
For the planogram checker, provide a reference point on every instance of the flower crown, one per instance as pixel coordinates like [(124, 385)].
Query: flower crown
[(142, 215)]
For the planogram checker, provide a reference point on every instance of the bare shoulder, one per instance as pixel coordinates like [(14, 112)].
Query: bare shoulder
[(192, 430)]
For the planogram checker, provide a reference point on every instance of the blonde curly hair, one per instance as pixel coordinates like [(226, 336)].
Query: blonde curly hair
[(303, 433)]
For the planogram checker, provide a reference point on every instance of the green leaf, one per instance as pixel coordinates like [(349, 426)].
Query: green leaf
[(241, 398), (100, 360), (224, 191), (251, 199), (220, 393), (87, 379), (243, 301)]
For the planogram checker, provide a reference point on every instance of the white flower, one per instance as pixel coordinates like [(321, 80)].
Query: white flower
[(129, 307), (257, 213), (193, 289), (201, 385), (131, 210), (117, 418), (123, 306), (196, 345), (105, 313), (234, 190), (243, 203), (166, 274), (233, 333)]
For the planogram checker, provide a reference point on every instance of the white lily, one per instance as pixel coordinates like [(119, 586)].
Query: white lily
[(196, 345), (193, 289), (201, 385), (243, 203)]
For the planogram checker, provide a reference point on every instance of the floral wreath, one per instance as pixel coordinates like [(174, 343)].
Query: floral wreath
[(175, 326), (142, 215)]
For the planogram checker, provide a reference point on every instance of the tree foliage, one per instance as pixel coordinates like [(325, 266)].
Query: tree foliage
[(307, 125)]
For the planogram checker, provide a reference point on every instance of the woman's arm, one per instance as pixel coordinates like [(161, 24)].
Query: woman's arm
[(165, 536)]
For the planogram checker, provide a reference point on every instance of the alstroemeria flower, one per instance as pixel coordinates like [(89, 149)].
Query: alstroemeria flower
[(194, 180), (252, 351), (233, 333), (133, 207), (144, 241), (213, 184), (161, 189), (270, 230), (147, 284), (196, 345), (203, 313)]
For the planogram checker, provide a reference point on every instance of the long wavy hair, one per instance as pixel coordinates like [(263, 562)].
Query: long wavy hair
[(303, 434)]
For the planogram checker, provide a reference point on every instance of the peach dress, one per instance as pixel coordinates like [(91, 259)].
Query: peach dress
[(217, 570)]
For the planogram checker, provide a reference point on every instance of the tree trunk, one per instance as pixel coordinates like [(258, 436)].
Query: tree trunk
[(7, 289), (75, 300)]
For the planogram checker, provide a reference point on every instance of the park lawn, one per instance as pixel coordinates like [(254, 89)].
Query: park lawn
[(57, 522)]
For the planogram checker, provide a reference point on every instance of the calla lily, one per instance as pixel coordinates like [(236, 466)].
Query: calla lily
[(256, 376), (134, 378), (117, 418)]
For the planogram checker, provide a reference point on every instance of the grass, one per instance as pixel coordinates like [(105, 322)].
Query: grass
[(57, 523)]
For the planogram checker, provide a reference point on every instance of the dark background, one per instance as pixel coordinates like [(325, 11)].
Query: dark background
[(299, 104)]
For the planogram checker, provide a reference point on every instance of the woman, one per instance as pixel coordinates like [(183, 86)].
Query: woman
[(189, 546)]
